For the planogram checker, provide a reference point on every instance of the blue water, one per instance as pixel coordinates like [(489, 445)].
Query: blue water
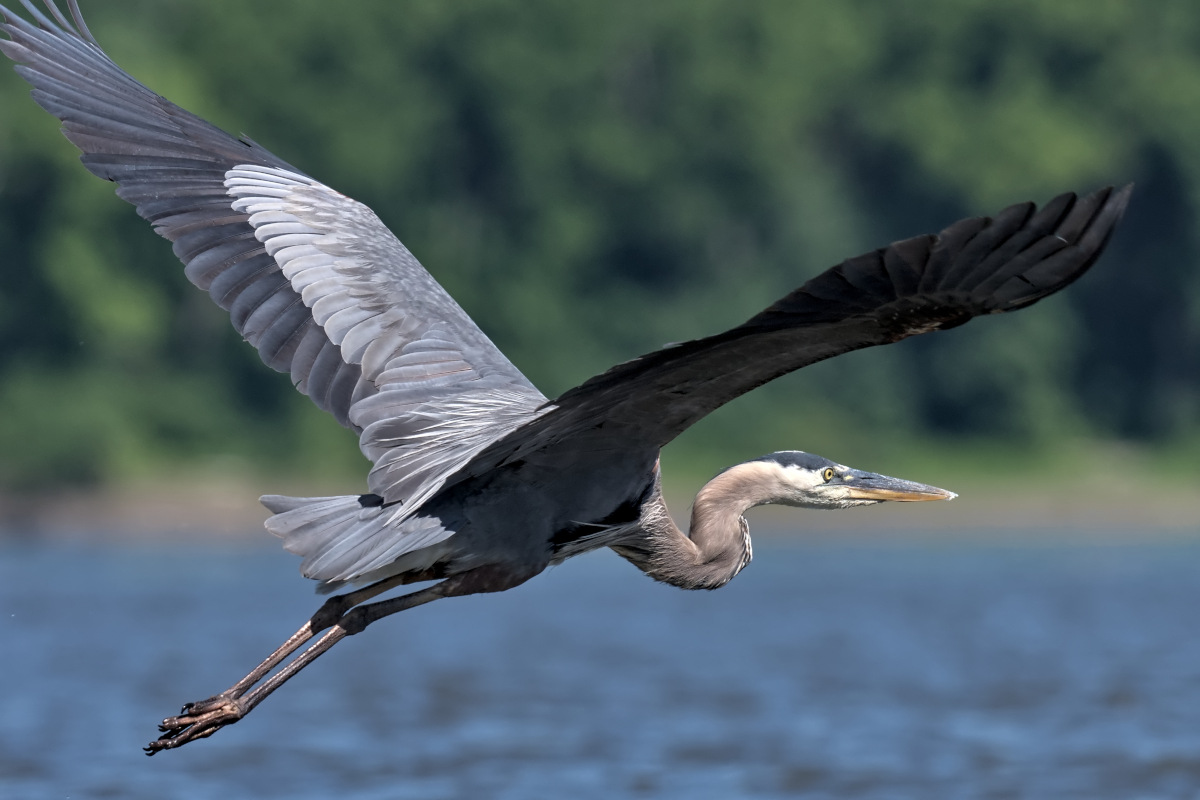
[(826, 670)]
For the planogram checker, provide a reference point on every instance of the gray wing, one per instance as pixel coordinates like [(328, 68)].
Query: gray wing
[(976, 266), (312, 279)]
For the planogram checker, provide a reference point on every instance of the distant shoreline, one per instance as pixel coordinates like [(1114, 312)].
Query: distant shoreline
[(228, 510)]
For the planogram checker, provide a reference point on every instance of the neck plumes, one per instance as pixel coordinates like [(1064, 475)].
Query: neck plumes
[(717, 545)]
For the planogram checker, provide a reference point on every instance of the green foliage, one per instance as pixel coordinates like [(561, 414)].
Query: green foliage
[(593, 180)]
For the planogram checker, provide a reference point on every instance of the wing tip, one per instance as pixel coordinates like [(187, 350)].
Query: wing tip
[(1086, 227), (1119, 199), (60, 26)]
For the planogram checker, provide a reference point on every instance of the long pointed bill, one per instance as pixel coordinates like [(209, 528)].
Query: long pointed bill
[(869, 486)]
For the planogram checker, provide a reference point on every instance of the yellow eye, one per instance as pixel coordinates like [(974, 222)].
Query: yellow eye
[(827, 474)]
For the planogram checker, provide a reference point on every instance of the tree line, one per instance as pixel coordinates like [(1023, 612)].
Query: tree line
[(591, 181)]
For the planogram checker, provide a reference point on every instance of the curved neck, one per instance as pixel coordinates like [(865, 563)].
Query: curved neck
[(717, 546)]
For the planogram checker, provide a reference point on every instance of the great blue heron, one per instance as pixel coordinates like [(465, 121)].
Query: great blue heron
[(479, 482)]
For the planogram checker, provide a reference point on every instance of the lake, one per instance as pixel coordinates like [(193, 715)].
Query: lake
[(1046, 667)]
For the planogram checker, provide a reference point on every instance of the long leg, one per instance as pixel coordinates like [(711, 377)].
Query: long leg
[(201, 720), (327, 616)]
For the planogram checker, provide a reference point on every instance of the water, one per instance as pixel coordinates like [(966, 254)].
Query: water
[(826, 670)]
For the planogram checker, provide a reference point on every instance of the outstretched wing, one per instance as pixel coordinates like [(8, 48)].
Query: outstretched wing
[(310, 278), (976, 266)]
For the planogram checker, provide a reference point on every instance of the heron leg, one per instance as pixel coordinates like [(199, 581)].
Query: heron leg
[(203, 719), (327, 615)]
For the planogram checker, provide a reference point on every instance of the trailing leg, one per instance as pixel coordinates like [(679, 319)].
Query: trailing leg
[(200, 720), (223, 704)]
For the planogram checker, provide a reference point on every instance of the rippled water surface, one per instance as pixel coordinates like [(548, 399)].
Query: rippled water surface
[(831, 670)]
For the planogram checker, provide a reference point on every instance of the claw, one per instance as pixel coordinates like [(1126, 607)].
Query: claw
[(196, 721)]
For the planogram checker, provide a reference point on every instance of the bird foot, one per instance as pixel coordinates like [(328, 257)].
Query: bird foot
[(197, 720)]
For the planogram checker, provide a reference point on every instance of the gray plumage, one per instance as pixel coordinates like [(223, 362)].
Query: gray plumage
[(478, 481)]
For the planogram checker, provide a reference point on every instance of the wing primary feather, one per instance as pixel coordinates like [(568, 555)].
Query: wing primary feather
[(1042, 224), (80, 25), (902, 262), (992, 239), (950, 243)]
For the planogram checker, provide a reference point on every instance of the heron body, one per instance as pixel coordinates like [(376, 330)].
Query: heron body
[(479, 482)]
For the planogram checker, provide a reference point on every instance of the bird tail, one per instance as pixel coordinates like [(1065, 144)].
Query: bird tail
[(348, 537)]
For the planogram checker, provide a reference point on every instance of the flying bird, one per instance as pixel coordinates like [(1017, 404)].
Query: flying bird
[(479, 482)]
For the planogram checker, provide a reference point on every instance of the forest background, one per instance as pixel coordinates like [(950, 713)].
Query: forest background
[(593, 180)]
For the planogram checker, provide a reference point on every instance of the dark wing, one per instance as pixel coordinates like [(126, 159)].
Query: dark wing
[(976, 266), (311, 278)]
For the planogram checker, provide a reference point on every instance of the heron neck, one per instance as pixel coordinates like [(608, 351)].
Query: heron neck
[(717, 545)]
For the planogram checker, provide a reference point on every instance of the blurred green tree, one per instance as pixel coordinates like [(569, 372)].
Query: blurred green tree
[(593, 180)]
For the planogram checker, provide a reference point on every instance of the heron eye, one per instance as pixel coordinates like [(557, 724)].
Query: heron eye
[(827, 474)]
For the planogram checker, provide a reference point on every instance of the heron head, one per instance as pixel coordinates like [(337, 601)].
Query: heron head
[(804, 479)]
